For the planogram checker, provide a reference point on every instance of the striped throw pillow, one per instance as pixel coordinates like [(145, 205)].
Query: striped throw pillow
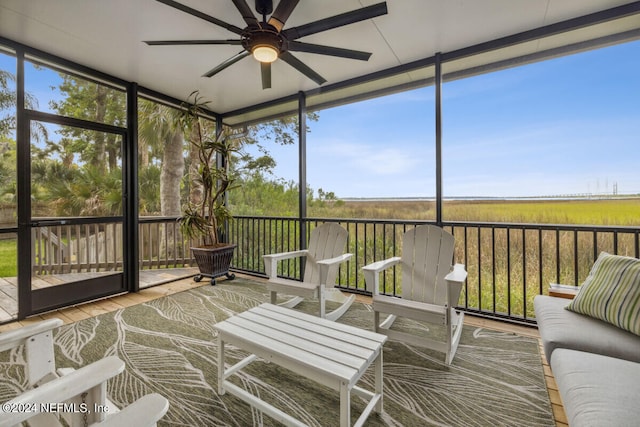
[(611, 292)]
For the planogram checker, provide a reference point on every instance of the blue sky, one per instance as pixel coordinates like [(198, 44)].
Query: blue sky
[(566, 126)]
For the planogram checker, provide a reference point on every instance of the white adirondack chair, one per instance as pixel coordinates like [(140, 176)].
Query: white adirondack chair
[(37, 340), (430, 289), (78, 397), (325, 253)]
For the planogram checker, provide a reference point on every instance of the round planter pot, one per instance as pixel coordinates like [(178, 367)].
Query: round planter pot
[(213, 261)]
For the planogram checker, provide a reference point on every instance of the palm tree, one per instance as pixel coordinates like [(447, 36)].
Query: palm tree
[(158, 135)]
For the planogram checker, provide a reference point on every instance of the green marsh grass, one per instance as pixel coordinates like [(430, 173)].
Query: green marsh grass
[(585, 212), (496, 282)]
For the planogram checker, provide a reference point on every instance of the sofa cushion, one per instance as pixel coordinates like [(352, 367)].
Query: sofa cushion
[(597, 390), (560, 328), (611, 292)]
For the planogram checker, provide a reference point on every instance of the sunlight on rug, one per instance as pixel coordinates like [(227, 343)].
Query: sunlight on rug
[(169, 346)]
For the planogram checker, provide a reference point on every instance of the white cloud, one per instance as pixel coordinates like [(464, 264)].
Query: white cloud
[(364, 170), (367, 158)]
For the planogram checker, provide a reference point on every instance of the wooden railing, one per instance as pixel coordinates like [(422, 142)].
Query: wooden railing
[(81, 248), (77, 248), (162, 245)]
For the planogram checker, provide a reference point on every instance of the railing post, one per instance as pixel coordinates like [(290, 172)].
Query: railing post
[(438, 87), (302, 168), (23, 162), (131, 252)]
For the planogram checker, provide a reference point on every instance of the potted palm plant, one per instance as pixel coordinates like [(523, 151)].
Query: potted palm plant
[(206, 214)]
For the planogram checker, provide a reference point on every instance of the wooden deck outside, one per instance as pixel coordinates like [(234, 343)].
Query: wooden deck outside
[(147, 278), (95, 308)]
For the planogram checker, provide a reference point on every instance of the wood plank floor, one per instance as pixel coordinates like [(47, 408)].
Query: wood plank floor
[(84, 311), (147, 278)]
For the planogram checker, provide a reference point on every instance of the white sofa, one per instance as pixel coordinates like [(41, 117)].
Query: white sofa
[(595, 364)]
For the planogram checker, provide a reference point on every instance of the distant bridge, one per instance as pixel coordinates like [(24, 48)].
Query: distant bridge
[(573, 196)]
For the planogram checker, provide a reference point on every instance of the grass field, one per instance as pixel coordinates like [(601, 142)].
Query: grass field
[(8, 258), (624, 212), (585, 212)]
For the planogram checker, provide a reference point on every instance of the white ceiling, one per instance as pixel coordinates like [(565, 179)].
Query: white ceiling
[(107, 35)]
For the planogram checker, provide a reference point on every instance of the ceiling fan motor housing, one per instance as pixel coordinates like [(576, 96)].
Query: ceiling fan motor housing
[(264, 36)]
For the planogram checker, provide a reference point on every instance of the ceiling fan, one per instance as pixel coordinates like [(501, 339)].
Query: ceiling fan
[(267, 40)]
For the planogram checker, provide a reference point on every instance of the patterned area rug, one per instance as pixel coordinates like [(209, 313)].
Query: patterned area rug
[(169, 347)]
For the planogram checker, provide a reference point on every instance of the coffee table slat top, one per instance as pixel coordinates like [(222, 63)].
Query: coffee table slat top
[(321, 345), (303, 342), (373, 338)]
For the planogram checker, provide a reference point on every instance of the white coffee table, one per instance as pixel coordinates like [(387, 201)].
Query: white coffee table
[(329, 353)]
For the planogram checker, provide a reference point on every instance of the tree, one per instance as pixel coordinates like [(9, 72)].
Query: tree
[(8, 105), (223, 164), (159, 136), (92, 101), (263, 193), (204, 216), (8, 184)]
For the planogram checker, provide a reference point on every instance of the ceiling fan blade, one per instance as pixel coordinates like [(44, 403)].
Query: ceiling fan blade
[(329, 50), (300, 66), (336, 21), (190, 42), (226, 64), (198, 14), (246, 12), (265, 72), (282, 13)]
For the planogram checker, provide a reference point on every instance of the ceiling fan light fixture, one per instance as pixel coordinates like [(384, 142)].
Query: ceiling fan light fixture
[(265, 53)]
